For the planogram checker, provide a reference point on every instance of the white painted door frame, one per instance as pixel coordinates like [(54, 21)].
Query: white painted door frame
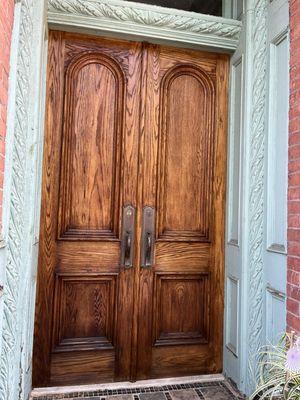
[(24, 155), (256, 191)]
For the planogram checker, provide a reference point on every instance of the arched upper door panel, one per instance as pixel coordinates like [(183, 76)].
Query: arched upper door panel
[(186, 126), (92, 133)]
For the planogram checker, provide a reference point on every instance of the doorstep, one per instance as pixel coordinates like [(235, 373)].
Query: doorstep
[(206, 387)]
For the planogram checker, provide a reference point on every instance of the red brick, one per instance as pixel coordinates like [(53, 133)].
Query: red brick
[(2, 147), (294, 166), (293, 277), (294, 234), (293, 263), (294, 48), (294, 207), (294, 151), (6, 23), (294, 111), (294, 124), (294, 138), (293, 273), (293, 292), (295, 84), (294, 248), (293, 322), (294, 221), (1, 179), (294, 97), (293, 306), (294, 179), (294, 193)]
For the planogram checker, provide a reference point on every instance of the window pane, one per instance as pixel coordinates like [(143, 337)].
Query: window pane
[(212, 7)]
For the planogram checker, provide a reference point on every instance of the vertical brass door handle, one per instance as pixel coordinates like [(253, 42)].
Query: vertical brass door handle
[(127, 252), (127, 239), (148, 231), (148, 249)]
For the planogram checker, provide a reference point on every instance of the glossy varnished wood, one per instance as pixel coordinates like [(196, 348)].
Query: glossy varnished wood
[(140, 124), (183, 174), (93, 121), (84, 297)]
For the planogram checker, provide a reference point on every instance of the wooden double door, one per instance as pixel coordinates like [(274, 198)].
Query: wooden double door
[(130, 278)]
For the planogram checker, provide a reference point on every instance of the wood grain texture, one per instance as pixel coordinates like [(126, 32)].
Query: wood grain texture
[(183, 177), (93, 119), (50, 187), (184, 195), (143, 125), (84, 298), (75, 368), (84, 310), (180, 310)]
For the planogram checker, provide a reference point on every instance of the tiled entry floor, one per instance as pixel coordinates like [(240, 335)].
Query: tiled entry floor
[(219, 390)]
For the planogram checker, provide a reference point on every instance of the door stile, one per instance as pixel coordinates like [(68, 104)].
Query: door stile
[(140, 156), (218, 222), (50, 189), (147, 197), (129, 197)]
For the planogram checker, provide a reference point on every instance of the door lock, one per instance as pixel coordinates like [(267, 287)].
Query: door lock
[(128, 230), (147, 245)]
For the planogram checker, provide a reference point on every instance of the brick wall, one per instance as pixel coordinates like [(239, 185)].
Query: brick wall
[(6, 24), (293, 286)]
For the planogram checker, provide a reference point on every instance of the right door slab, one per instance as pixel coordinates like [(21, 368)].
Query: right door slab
[(183, 153)]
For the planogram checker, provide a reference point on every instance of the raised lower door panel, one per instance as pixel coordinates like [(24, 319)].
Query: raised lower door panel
[(130, 280)]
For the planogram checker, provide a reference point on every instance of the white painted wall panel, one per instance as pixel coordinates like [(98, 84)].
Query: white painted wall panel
[(275, 316), (276, 179), (232, 315), (278, 144), (235, 279), (235, 150)]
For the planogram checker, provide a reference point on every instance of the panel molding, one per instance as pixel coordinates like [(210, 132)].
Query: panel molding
[(207, 84), (275, 299), (63, 282), (146, 21), (66, 190), (273, 244), (233, 347), (197, 336), (235, 147)]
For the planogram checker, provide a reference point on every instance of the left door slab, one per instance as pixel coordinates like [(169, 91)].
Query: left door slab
[(84, 306)]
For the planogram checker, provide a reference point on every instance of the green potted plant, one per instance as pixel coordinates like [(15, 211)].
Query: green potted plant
[(279, 370)]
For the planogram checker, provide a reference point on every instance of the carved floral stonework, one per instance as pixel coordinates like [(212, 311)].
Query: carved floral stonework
[(133, 13), (256, 188), (11, 335)]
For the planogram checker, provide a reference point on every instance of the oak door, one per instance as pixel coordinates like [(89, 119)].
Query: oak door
[(130, 279), (84, 304), (180, 309)]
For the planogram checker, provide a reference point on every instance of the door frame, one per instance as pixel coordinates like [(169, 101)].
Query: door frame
[(25, 146)]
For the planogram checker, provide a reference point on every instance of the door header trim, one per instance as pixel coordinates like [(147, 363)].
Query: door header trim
[(143, 21)]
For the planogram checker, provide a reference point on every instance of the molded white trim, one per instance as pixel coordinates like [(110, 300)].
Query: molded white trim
[(144, 21)]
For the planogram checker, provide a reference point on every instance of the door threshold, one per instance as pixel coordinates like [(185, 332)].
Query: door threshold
[(46, 391)]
